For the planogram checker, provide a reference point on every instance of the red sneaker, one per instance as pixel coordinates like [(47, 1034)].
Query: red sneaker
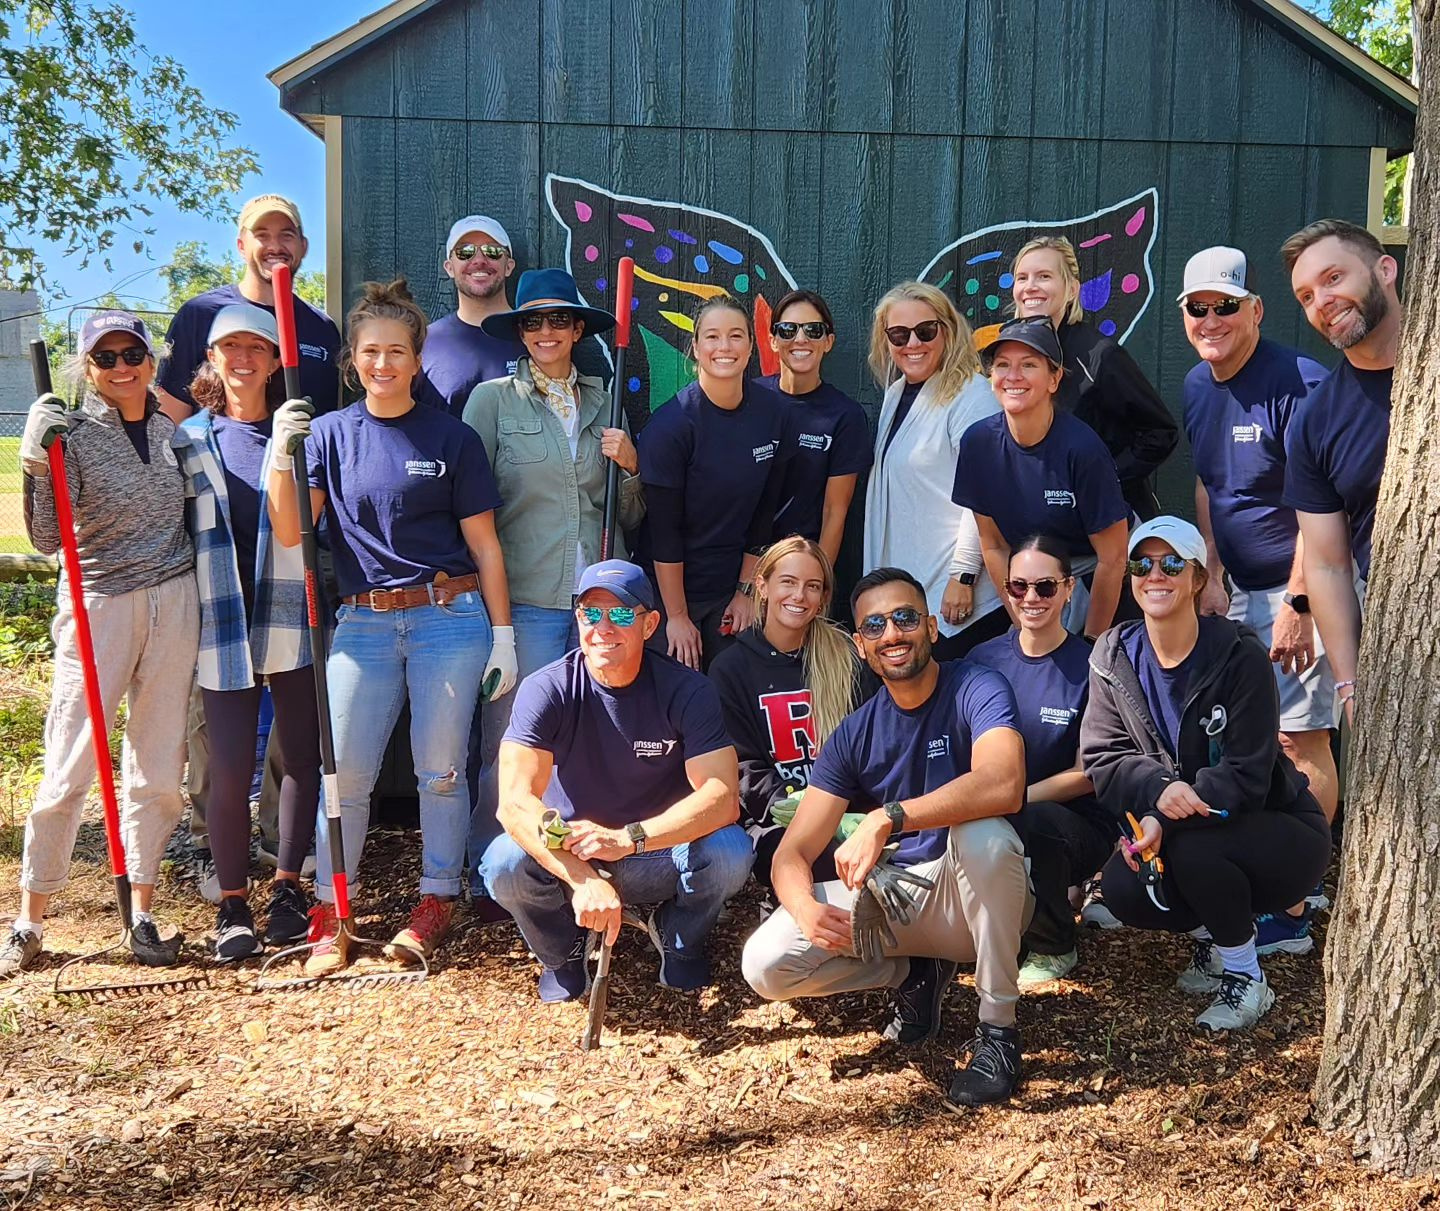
[(429, 924), (333, 953)]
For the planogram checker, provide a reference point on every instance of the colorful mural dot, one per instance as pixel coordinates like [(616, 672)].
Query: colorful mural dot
[(725, 252), (682, 237), (985, 256), (970, 313), (664, 296), (1099, 239), (702, 263), (634, 304), (633, 383), (1006, 281), (742, 283), (992, 301), (1095, 293), (761, 274), (583, 211), (683, 322), (1135, 222), (972, 286), (635, 221), (945, 281), (629, 243), (600, 283), (664, 254), (1107, 327), (1130, 283), (591, 252)]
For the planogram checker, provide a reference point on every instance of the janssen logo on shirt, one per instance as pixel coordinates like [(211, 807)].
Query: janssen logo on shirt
[(815, 441), (654, 748), (1058, 716), (937, 748), (425, 468), (1247, 433), (1060, 498), (318, 352), (764, 452)]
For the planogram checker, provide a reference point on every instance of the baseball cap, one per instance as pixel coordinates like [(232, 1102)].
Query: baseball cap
[(269, 203), (243, 317), (1219, 269), (476, 222), (1184, 539), (102, 323), (628, 582), (1036, 332)]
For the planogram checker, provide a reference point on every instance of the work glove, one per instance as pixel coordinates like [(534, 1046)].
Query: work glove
[(870, 932), (886, 896), (291, 427), (43, 424), (503, 668), (782, 811)]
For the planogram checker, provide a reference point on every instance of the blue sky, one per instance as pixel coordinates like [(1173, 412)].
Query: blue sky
[(226, 51)]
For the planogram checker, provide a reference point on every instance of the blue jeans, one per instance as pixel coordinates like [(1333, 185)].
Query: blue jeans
[(541, 636), (690, 883), (438, 654)]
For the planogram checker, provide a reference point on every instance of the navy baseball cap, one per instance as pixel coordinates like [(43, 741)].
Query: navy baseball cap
[(103, 323), (1035, 332), (628, 582)]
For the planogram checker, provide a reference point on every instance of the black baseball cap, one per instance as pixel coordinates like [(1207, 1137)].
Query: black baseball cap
[(1037, 332)]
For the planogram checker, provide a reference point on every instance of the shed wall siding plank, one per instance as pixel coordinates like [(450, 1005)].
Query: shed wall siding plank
[(930, 85), (1000, 84), (427, 54), (505, 182), (575, 61), (1069, 69), (646, 84), (368, 194), (502, 54), (719, 63)]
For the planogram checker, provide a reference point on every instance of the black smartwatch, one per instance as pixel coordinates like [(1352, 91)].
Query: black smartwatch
[(967, 579), (896, 811), (1299, 602), (745, 587), (638, 837)]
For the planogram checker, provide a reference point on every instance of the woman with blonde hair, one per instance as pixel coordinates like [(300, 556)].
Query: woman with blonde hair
[(785, 684), (1102, 385), (923, 355)]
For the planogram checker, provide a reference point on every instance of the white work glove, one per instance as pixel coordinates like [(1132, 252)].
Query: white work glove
[(503, 663), (291, 427), (43, 424)]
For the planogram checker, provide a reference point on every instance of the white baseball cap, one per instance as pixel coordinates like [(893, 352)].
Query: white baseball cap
[(243, 317), (1219, 269), (476, 222), (1184, 539)]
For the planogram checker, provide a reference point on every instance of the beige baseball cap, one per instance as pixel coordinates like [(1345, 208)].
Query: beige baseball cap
[(269, 203)]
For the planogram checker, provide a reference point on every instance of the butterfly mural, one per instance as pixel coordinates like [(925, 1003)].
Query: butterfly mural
[(685, 254)]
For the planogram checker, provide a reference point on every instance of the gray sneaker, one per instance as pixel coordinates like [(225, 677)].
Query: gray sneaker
[(20, 951), (1202, 976), (1239, 1003), (1046, 969), (207, 882)]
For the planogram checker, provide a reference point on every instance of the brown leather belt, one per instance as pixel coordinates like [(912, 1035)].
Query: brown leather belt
[(441, 591)]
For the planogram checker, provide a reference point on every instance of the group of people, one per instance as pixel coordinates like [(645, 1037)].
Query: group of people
[(1047, 684)]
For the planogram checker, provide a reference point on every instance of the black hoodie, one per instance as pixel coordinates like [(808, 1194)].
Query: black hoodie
[(1241, 770)]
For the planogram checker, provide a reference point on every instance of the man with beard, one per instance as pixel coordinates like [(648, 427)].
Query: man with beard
[(938, 760), (270, 234), (457, 354), (1336, 448)]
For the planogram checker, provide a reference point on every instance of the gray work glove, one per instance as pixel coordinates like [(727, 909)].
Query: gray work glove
[(886, 896), (291, 427), (43, 424), (870, 932)]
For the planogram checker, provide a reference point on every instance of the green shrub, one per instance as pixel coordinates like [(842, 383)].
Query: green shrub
[(27, 608)]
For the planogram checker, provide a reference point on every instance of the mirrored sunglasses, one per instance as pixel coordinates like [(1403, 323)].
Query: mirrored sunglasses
[(1199, 311), (620, 616), (492, 252), (1046, 587), (561, 321), (1171, 565), (906, 619)]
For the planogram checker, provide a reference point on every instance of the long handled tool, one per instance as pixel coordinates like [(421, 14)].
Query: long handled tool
[(346, 935), (99, 731)]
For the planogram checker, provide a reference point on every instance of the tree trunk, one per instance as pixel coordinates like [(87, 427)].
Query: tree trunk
[(1379, 1078)]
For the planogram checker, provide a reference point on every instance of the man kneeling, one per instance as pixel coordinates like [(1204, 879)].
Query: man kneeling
[(647, 784), (941, 750)]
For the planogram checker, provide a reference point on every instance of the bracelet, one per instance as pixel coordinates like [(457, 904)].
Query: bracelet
[(1342, 685)]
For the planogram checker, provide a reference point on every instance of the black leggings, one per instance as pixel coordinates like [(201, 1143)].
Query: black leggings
[(1221, 874), (1065, 847), (232, 718)]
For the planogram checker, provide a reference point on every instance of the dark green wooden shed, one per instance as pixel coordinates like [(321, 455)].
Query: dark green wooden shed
[(847, 144)]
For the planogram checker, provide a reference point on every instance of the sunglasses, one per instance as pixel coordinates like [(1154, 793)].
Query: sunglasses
[(1046, 588), (906, 619), (925, 332), (619, 616), (561, 321), (1171, 565), (787, 330), (492, 252), (1199, 311), (133, 355)]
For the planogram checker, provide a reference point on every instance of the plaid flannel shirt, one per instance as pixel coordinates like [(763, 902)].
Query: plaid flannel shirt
[(235, 650)]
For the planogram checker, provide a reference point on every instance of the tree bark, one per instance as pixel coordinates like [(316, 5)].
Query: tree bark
[(1379, 1077)]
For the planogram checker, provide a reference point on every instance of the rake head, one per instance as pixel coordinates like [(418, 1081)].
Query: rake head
[(96, 993), (361, 974)]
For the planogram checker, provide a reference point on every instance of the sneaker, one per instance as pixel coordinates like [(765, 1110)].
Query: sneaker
[(994, 1067), (19, 952), (1280, 933), (915, 1006), (207, 881), (677, 972), (1094, 913), (270, 858), (235, 931), (429, 924), (150, 948), (1202, 976), (332, 952), (1239, 1003), (1317, 899), (1046, 969), (287, 921), (568, 982)]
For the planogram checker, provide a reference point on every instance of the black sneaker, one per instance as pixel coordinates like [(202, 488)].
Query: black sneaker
[(915, 1005), (288, 917), (235, 931), (994, 1067), (150, 948)]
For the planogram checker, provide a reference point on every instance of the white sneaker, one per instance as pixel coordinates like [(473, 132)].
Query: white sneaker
[(1239, 1003), (1202, 976), (1046, 969)]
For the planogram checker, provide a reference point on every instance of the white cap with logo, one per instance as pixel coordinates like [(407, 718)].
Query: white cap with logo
[(1219, 269), (1184, 539), (476, 222)]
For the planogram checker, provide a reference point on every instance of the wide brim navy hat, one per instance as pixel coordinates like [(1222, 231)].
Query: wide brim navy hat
[(1035, 332), (546, 290)]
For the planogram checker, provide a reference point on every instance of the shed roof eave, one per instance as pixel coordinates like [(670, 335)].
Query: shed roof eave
[(325, 54)]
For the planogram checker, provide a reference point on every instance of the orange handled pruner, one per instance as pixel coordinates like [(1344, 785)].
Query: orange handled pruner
[(1152, 866)]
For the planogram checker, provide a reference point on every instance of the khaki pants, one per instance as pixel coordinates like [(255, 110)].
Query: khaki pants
[(980, 906), (145, 647)]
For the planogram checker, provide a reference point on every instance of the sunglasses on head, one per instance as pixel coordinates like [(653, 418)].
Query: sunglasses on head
[(1199, 311), (925, 332), (788, 330), (561, 321), (492, 252), (1046, 587), (1171, 565), (619, 616), (131, 355), (906, 619)]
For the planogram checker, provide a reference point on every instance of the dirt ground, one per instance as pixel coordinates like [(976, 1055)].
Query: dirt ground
[(464, 1091)]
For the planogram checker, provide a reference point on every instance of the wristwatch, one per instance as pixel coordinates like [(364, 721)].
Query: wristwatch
[(745, 587), (896, 811), (966, 578), (1299, 602), (637, 835)]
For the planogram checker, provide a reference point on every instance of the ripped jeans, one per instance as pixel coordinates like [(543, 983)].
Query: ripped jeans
[(438, 654)]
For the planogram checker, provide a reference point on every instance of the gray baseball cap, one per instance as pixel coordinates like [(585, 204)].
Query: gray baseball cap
[(1219, 269), (243, 317)]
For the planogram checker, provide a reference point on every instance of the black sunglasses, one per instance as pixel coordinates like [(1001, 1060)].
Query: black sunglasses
[(788, 330), (561, 321), (494, 252), (131, 355), (1046, 587), (1199, 311), (926, 331), (906, 619), (1171, 565)]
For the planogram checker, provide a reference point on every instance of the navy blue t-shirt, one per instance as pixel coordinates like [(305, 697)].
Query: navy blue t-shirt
[(1065, 485), (619, 753), (722, 461), (1237, 437), (315, 333), (1335, 453), (397, 491), (832, 437), (881, 752), (456, 358), (1164, 689), (242, 451)]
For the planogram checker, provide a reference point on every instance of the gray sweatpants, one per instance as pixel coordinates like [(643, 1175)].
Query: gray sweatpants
[(145, 647), (980, 906)]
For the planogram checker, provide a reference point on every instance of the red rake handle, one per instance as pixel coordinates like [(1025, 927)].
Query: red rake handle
[(285, 322), (624, 293), (624, 301)]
